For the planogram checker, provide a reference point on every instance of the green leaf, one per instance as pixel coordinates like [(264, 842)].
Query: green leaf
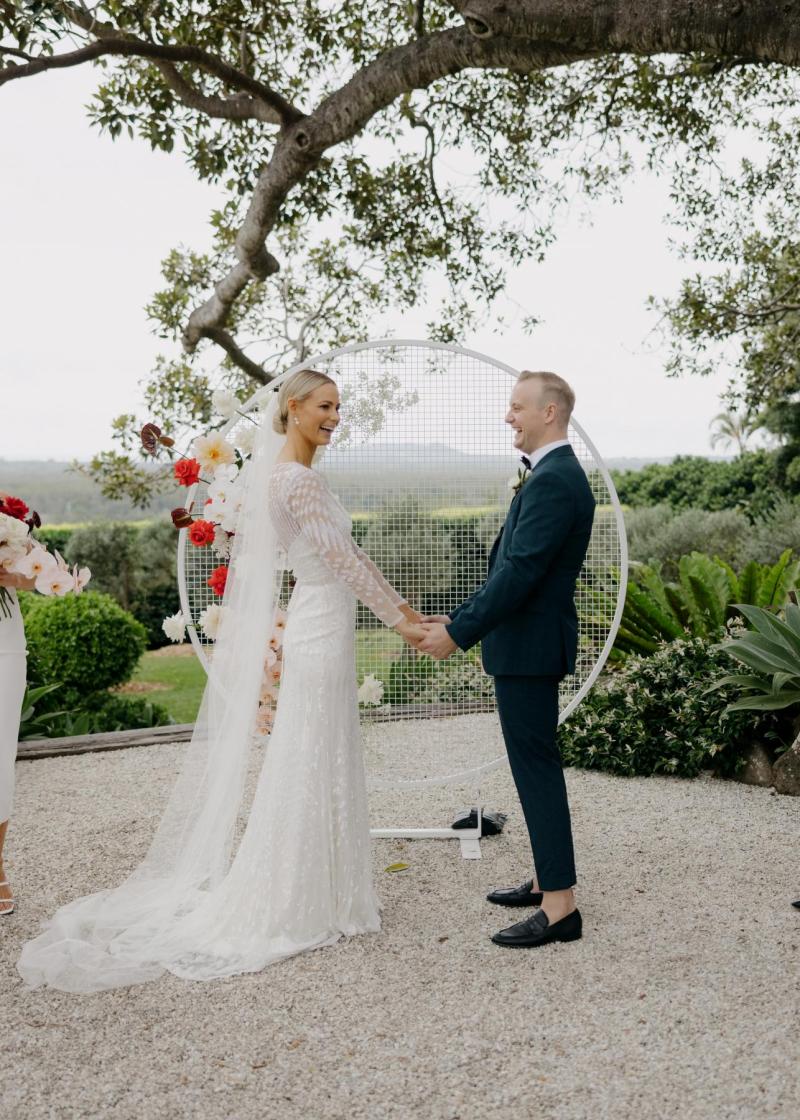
[(396, 867), (750, 583), (765, 703)]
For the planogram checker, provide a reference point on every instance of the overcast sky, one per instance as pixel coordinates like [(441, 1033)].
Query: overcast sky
[(86, 222)]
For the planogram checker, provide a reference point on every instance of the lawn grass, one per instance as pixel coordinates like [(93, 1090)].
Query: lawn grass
[(179, 680), (174, 678)]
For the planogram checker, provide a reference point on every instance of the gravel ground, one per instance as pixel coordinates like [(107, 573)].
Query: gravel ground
[(680, 1001)]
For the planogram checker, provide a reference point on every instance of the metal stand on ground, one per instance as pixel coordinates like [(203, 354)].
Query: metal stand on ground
[(468, 838)]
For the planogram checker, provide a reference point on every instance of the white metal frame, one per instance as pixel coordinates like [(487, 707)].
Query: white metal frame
[(469, 839)]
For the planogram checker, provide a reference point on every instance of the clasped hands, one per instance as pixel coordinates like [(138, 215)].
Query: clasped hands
[(427, 633)]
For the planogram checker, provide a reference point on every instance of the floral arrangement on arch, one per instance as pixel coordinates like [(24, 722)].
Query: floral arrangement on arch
[(217, 461), (21, 554)]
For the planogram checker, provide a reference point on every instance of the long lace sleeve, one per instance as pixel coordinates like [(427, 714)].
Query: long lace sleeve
[(320, 522)]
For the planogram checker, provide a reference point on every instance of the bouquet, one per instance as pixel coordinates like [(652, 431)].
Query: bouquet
[(21, 554)]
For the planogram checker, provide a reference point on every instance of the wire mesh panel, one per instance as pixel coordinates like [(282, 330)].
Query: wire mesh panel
[(423, 460)]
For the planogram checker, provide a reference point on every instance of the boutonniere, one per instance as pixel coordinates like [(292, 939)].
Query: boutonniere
[(518, 480)]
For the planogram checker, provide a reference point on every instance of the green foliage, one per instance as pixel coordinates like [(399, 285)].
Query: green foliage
[(415, 679), (415, 550), (773, 532), (660, 536), (700, 602), (108, 711), (86, 641), (109, 549), (55, 539), (656, 715), (37, 718), (770, 650), (749, 483)]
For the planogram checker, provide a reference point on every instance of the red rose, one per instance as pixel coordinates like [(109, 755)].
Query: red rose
[(14, 507), (201, 533), (187, 471), (217, 580)]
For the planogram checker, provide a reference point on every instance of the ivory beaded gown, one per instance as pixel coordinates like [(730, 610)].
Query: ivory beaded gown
[(301, 877)]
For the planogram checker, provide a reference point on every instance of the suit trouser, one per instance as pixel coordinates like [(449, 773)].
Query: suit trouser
[(528, 708)]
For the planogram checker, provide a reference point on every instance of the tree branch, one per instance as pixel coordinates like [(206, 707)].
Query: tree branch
[(760, 29), (237, 355), (275, 109), (340, 116)]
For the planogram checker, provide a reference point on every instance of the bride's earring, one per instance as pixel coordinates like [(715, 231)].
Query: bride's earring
[(297, 422)]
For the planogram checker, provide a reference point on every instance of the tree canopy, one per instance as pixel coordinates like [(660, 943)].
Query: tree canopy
[(364, 148)]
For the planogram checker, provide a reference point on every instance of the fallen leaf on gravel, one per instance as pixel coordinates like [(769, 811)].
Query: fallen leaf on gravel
[(294, 1043), (396, 867), (445, 938)]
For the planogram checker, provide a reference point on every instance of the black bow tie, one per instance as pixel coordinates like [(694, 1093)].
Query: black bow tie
[(526, 462)]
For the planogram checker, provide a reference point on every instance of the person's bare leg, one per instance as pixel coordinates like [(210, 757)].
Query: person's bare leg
[(557, 904), (5, 892)]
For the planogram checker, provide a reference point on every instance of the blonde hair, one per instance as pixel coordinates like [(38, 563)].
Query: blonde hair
[(555, 390), (297, 387)]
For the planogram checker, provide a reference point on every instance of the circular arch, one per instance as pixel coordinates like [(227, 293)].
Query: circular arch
[(374, 392)]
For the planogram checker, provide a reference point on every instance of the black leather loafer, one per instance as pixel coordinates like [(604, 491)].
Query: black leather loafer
[(516, 896), (536, 930)]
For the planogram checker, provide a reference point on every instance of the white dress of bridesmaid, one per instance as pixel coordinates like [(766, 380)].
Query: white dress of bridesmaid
[(12, 690), (301, 877)]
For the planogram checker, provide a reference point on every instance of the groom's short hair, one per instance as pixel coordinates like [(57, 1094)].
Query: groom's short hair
[(554, 389)]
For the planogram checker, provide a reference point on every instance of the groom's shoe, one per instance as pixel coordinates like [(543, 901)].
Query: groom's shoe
[(536, 930), (516, 896)]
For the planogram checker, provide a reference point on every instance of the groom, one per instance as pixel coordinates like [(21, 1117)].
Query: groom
[(525, 617)]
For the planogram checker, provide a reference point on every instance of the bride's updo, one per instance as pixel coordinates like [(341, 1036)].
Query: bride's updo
[(297, 387)]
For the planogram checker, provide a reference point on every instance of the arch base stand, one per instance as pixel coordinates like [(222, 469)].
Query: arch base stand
[(468, 838)]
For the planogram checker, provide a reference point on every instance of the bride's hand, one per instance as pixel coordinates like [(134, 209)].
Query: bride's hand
[(410, 632), (445, 619), (411, 614)]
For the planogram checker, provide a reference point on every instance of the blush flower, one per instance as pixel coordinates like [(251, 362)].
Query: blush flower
[(55, 581), (213, 451), (36, 563), (80, 577)]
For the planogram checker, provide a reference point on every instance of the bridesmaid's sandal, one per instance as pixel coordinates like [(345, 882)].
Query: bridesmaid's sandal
[(7, 901)]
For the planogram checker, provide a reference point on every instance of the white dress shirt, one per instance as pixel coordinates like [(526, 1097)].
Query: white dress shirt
[(539, 454)]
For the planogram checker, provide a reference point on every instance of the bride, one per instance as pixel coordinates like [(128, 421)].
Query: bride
[(300, 877)]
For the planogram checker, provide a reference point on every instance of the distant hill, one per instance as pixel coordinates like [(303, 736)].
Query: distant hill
[(59, 494)]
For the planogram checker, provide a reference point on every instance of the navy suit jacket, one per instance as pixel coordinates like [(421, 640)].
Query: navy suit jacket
[(524, 614)]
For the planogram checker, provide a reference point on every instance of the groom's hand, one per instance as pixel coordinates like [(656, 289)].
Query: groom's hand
[(437, 642), (443, 618)]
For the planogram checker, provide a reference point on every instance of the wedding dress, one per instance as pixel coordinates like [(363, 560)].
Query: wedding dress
[(301, 877)]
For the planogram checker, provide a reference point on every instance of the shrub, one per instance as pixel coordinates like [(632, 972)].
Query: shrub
[(749, 482), (421, 680), (43, 717), (110, 550), (656, 715), (86, 641), (659, 535), (55, 538), (773, 531), (112, 712), (700, 602)]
